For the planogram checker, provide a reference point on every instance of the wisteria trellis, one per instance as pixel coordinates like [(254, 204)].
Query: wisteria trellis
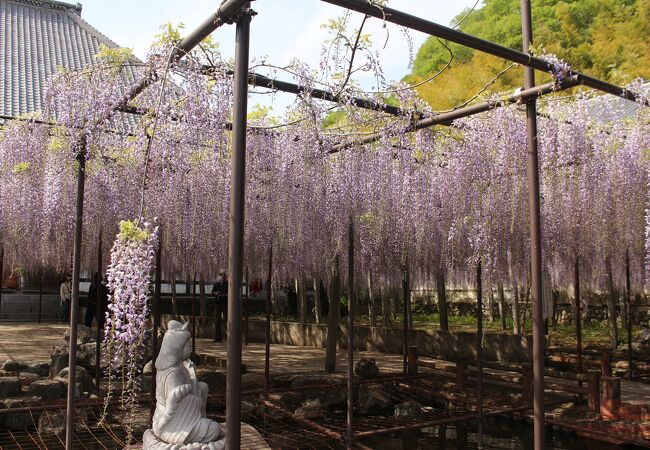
[(434, 198)]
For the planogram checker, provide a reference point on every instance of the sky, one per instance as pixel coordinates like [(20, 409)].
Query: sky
[(282, 30)]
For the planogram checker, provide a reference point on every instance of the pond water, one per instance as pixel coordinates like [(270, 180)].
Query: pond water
[(499, 434)]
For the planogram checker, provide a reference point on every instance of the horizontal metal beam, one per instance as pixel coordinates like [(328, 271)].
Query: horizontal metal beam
[(224, 14), (434, 29), (255, 79), (449, 117)]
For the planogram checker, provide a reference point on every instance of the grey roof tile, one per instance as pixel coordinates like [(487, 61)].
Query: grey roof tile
[(36, 38)]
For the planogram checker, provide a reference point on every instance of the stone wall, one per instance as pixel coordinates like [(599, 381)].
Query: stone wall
[(436, 344)]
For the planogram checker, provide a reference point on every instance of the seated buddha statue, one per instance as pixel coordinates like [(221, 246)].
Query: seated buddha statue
[(179, 421)]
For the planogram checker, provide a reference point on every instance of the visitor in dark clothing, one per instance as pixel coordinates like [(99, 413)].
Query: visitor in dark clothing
[(220, 294), (91, 309)]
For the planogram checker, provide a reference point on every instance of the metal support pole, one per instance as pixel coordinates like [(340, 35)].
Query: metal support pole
[(578, 315), (2, 261), (194, 315), (267, 336), (98, 312), (155, 313), (535, 234), (351, 305), (406, 294), (628, 305), (246, 304), (74, 303), (236, 230), (479, 351)]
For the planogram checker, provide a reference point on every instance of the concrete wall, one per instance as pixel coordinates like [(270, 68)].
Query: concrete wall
[(435, 344)]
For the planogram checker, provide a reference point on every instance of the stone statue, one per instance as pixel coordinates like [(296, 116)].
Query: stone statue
[(179, 422)]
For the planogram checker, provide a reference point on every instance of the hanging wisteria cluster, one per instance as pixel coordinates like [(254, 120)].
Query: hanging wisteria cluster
[(436, 199)]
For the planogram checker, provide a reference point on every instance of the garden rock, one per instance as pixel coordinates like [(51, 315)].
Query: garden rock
[(642, 339), (216, 381), (17, 421), (366, 368), (42, 369), (148, 368), (27, 378), (375, 399), (58, 361), (84, 335), (84, 381), (407, 409), (14, 366), (48, 389), (9, 386), (310, 409), (334, 400)]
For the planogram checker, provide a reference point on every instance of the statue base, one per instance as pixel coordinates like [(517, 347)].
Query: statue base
[(151, 442)]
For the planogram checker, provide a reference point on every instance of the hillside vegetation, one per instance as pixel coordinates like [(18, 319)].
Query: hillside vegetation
[(609, 39)]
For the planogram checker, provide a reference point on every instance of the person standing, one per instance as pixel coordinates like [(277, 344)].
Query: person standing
[(93, 298), (220, 294), (65, 292)]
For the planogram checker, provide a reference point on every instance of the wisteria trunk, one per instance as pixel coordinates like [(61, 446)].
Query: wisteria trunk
[(333, 318), (385, 307), (174, 300), (611, 304), (491, 305), (502, 307), (317, 300), (371, 303), (302, 298), (202, 304), (442, 299), (516, 324)]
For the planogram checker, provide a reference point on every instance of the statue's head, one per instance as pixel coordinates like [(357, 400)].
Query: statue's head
[(176, 346)]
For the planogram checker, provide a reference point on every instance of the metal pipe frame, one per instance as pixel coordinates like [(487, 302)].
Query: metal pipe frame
[(479, 351), (448, 118), (236, 229), (449, 34), (155, 313), (351, 305), (98, 311), (74, 301), (535, 234)]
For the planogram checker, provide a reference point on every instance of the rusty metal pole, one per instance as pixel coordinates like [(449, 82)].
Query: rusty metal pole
[(155, 312), (267, 335), (246, 304), (535, 233), (2, 261), (194, 315), (98, 312), (406, 294), (40, 300), (628, 305), (74, 303), (578, 314), (236, 229), (351, 305), (479, 351)]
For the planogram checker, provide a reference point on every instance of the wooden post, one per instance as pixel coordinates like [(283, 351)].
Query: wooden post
[(371, 302), (334, 297), (246, 304), (606, 363), (267, 334), (317, 300), (406, 295), (461, 372), (527, 381), (40, 300), (593, 390), (502, 307), (155, 313), (610, 396), (578, 313), (98, 312), (193, 314), (628, 316), (413, 360)]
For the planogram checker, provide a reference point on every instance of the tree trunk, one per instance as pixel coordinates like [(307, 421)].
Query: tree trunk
[(502, 307), (334, 297), (317, 300), (611, 304), (385, 307), (491, 304), (202, 303), (394, 300), (516, 324), (371, 303), (302, 298), (442, 299), (174, 300)]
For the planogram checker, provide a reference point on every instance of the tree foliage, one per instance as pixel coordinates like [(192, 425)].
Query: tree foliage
[(604, 38)]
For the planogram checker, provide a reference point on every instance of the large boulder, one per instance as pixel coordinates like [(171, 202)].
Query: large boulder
[(375, 399), (84, 335), (58, 361), (14, 366), (48, 389), (334, 399), (9, 386), (366, 368), (84, 382)]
